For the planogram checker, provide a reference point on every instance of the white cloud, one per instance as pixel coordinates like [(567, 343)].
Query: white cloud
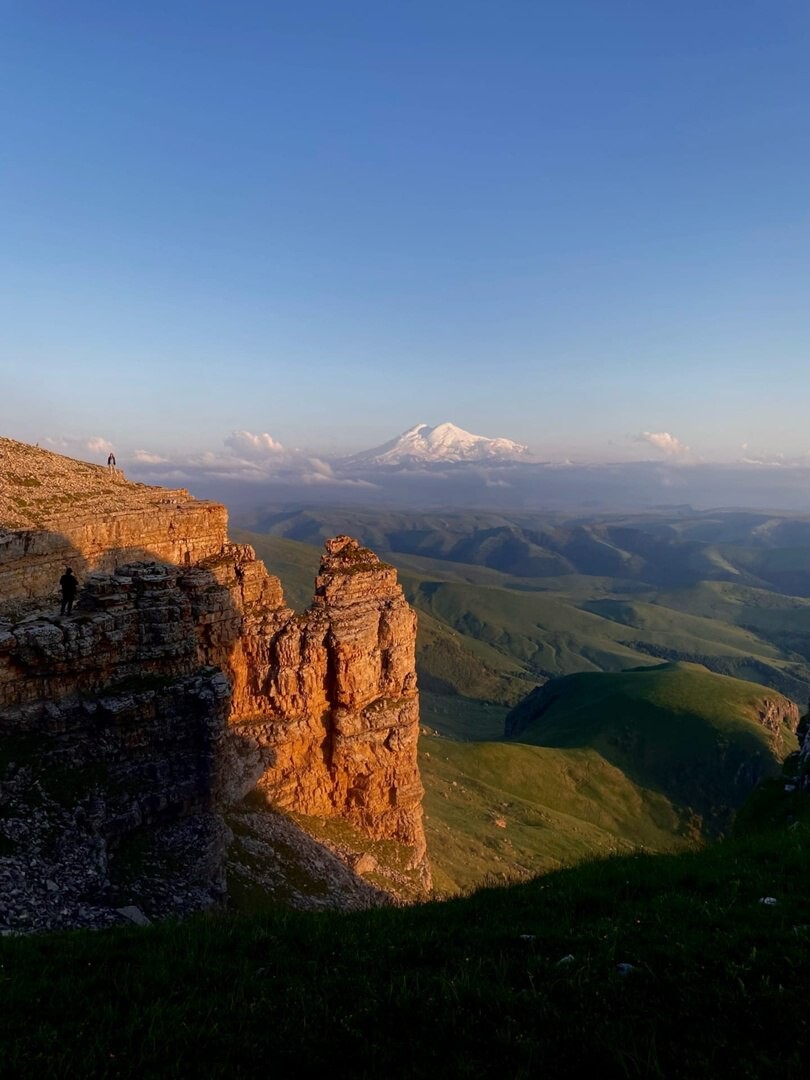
[(774, 459), (99, 445), (253, 447), (321, 468), (246, 458), (666, 443), (145, 458), (80, 446), (310, 479)]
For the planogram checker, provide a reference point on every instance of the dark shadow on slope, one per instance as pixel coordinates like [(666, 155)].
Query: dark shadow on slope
[(705, 767)]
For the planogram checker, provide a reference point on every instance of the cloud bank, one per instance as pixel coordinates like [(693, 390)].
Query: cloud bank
[(252, 447), (250, 470), (245, 459)]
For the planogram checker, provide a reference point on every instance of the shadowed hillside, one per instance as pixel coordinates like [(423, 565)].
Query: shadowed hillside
[(645, 966), (702, 739)]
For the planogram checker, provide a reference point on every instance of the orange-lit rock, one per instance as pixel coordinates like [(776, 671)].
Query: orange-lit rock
[(321, 711), (327, 700)]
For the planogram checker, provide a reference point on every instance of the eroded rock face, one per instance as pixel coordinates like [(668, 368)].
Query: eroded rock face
[(778, 714), (320, 710), (110, 733), (324, 704), (328, 699)]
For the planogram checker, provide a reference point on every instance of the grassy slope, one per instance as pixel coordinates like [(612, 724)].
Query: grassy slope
[(575, 625), (678, 729), (475, 987), (651, 759), (505, 811)]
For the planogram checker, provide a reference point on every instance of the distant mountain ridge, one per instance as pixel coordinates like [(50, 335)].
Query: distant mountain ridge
[(529, 596), (425, 445)]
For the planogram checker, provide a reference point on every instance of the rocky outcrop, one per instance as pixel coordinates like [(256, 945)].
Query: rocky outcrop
[(110, 733), (182, 681), (328, 701), (778, 715), (175, 530)]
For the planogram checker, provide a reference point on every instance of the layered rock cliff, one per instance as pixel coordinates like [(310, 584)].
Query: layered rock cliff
[(182, 682), (55, 510), (324, 707)]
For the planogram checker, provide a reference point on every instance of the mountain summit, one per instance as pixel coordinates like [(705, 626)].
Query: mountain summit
[(445, 443)]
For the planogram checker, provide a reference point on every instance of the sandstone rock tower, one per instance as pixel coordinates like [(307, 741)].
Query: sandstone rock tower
[(324, 711)]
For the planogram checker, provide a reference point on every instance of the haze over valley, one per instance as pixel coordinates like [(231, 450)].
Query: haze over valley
[(448, 466)]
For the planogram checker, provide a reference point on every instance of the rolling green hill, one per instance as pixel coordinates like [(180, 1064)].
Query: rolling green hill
[(699, 738), (599, 763), (497, 811), (667, 549)]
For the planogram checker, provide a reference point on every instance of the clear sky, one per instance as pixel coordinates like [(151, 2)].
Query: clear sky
[(560, 222)]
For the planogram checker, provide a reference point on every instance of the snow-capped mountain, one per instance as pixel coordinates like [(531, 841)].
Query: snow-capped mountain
[(445, 443)]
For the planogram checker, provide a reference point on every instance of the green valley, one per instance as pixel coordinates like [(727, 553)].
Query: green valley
[(634, 703)]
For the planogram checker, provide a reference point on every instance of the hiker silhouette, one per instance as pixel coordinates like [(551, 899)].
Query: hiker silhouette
[(69, 586)]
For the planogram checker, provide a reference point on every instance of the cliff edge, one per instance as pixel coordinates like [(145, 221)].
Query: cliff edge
[(181, 684)]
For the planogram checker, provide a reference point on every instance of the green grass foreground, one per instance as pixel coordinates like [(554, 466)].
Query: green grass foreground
[(514, 982)]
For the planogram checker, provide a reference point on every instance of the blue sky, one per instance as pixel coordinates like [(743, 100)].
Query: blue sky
[(564, 223)]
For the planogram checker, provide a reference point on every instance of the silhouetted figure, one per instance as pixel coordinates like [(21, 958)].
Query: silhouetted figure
[(111, 464), (69, 586)]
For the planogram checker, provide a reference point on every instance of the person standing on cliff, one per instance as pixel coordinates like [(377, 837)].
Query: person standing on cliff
[(111, 464), (69, 586)]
